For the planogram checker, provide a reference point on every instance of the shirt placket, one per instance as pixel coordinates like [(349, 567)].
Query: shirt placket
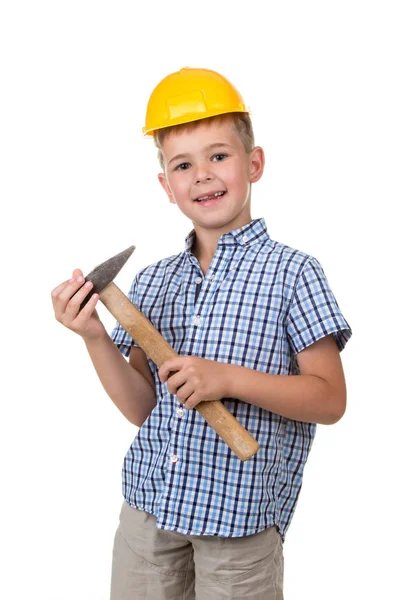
[(205, 287)]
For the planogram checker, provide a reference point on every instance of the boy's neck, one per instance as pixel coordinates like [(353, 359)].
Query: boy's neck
[(205, 244), (204, 247)]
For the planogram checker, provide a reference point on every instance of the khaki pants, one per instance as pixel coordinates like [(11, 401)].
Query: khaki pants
[(156, 564)]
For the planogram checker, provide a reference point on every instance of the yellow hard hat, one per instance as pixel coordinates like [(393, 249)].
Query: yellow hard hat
[(189, 95)]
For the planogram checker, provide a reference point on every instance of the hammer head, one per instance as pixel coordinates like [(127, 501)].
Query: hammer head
[(104, 274)]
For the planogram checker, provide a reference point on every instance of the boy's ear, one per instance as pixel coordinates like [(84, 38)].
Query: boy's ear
[(163, 180), (257, 162)]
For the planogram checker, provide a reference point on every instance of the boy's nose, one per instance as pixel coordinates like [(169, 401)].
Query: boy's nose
[(201, 179), (202, 174)]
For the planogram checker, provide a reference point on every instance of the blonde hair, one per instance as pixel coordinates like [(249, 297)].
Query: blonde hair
[(241, 122)]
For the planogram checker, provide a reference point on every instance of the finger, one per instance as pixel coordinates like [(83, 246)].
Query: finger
[(74, 304), (176, 381), (59, 288), (169, 366), (62, 294), (87, 310), (192, 401), (67, 304), (73, 286), (77, 273), (185, 392)]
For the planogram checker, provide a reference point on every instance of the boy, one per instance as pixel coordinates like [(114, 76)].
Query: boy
[(255, 325)]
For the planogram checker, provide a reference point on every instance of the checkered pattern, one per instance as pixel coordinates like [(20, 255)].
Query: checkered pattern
[(260, 303)]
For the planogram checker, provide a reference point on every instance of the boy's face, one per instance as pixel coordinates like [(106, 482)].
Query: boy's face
[(208, 175)]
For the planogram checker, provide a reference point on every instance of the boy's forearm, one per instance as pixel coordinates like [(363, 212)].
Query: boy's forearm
[(300, 397), (128, 389)]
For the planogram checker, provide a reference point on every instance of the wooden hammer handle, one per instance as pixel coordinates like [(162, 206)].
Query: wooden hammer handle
[(158, 349)]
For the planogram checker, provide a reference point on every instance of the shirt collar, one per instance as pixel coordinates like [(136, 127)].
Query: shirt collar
[(248, 235)]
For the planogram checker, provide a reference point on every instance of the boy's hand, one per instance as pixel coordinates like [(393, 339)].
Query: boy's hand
[(85, 323), (195, 379)]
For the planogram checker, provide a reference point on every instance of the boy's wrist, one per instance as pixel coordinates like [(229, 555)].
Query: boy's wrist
[(227, 380), (94, 340), (236, 380)]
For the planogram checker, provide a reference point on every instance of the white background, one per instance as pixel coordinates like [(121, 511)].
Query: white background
[(78, 184)]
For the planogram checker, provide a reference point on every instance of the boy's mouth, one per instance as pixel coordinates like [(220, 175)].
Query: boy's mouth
[(207, 198)]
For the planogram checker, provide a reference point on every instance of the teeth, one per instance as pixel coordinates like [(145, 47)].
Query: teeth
[(216, 195)]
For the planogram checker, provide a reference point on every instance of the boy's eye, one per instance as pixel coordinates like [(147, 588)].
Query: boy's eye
[(219, 157), (182, 166)]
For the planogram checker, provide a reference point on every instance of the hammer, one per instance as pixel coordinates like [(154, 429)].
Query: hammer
[(158, 349)]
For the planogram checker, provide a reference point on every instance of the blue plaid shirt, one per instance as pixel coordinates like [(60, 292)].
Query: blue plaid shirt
[(260, 303)]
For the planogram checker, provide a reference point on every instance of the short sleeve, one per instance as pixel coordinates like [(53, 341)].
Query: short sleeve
[(314, 312), (119, 336)]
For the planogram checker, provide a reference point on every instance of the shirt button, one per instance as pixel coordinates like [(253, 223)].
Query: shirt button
[(180, 412), (174, 458), (245, 238), (198, 279), (197, 320)]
